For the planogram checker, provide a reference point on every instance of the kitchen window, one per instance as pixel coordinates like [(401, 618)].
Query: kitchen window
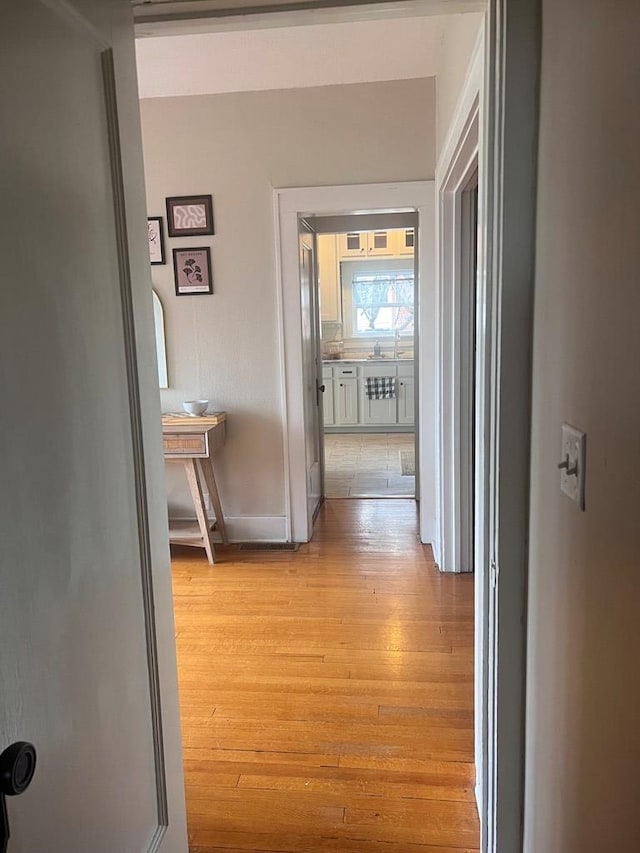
[(380, 302)]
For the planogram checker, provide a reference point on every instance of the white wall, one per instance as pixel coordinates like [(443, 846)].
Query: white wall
[(238, 147), (583, 684), (458, 39)]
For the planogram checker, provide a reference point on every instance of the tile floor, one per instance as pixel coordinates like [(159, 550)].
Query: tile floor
[(366, 465)]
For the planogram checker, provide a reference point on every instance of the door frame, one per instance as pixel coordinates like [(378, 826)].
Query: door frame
[(506, 288), (289, 206), (463, 538), (457, 164), (306, 231)]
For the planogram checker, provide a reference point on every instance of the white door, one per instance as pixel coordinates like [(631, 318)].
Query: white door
[(312, 372), (87, 666)]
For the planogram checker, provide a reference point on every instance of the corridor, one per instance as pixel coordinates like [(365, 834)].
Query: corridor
[(327, 694)]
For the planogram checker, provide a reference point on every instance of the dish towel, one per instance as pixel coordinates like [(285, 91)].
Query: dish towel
[(381, 387)]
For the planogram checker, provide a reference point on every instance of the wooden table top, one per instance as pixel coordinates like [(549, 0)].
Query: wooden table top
[(177, 422)]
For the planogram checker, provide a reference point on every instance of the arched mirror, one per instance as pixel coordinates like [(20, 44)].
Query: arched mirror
[(161, 351)]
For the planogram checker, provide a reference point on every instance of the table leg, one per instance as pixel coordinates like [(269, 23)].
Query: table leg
[(214, 495), (195, 486)]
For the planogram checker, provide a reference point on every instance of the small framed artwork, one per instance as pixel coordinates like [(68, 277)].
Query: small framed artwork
[(156, 240), (190, 215), (192, 271)]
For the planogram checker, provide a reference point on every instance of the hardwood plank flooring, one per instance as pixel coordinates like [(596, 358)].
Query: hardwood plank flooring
[(327, 695)]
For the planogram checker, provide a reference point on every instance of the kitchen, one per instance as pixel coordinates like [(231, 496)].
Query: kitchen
[(367, 310)]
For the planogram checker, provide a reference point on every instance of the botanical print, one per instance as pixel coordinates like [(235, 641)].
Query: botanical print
[(192, 270)]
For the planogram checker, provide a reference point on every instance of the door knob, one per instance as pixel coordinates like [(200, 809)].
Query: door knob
[(17, 766)]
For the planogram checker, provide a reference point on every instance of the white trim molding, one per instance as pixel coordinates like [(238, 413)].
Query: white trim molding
[(289, 205), (461, 545), (458, 161), (509, 158)]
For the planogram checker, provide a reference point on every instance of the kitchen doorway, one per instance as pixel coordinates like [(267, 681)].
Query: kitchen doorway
[(331, 210), (367, 316)]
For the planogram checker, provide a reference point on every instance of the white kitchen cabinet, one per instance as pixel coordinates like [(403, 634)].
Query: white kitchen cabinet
[(406, 400), (380, 243), (352, 245), (349, 405), (328, 408), (372, 244), (404, 241), (345, 392), (378, 412), (329, 277)]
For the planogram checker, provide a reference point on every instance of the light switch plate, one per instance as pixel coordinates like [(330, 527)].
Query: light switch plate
[(574, 454)]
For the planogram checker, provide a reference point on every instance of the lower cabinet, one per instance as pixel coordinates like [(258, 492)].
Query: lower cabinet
[(328, 408), (406, 400), (345, 398), (377, 412), (346, 404)]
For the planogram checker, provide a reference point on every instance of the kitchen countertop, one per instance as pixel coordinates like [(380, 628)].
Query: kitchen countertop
[(373, 359)]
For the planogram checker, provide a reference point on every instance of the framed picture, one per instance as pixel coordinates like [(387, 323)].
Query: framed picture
[(192, 271), (190, 215), (156, 240)]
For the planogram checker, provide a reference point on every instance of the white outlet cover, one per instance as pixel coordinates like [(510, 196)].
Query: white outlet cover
[(573, 451)]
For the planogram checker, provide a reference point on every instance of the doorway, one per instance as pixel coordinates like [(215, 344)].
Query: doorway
[(397, 208), (366, 285)]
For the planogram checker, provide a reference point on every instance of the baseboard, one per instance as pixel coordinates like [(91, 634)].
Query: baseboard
[(244, 528)]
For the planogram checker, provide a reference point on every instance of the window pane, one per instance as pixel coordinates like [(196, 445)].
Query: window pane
[(353, 241), (383, 302)]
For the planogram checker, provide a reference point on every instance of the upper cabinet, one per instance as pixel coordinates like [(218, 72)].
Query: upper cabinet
[(329, 277), (380, 243), (352, 245), (374, 244), (404, 241)]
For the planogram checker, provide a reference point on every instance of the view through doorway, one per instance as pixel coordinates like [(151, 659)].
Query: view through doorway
[(367, 319)]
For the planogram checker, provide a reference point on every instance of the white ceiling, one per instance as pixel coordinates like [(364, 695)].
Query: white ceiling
[(174, 17), (289, 57)]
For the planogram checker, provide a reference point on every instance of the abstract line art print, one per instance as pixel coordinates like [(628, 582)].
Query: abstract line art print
[(190, 215)]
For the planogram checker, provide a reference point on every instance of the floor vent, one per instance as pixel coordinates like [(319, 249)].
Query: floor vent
[(269, 546)]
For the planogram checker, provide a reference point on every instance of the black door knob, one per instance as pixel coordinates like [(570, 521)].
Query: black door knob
[(17, 766)]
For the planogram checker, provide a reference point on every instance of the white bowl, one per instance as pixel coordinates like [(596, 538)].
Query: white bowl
[(195, 407)]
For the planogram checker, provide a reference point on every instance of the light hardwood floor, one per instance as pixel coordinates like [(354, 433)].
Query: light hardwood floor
[(327, 695)]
